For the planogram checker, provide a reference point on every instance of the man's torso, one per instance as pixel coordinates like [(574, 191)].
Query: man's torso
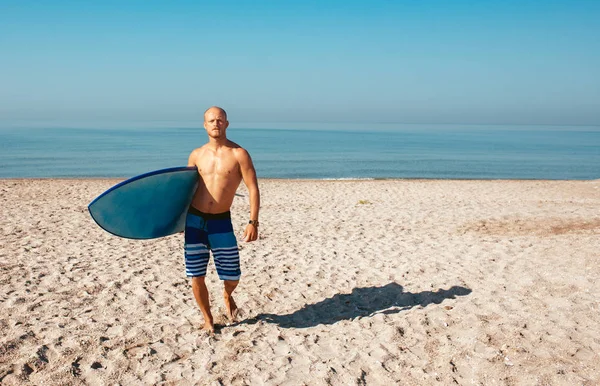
[(220, 176)]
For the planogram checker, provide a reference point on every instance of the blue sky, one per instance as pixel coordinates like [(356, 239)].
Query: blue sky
[(493, 62)]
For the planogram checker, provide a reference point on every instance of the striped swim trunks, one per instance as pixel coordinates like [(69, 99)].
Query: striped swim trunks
[(206, 232)]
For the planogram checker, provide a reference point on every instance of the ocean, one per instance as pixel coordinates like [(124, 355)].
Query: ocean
[(352, 152)]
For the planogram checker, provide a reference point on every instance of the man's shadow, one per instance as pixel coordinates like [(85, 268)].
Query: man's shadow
[(388, 299)]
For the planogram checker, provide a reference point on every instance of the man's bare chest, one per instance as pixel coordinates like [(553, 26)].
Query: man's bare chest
[(217, 166)]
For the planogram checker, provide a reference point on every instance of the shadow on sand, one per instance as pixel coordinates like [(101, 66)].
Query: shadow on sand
[(389, 299)]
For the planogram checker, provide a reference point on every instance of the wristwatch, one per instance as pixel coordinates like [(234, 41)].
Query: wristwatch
[(253, 222)]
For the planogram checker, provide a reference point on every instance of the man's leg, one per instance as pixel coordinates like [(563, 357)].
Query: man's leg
[(201, 294), (230, 305), (196, 260), (227, 260)]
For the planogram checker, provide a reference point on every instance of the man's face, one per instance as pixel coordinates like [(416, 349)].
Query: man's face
[(215, 123)]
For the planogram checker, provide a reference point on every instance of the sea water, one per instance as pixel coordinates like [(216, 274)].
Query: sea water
[(344, 152)]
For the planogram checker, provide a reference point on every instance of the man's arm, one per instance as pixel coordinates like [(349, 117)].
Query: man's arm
[(249, 177), (192, 158)]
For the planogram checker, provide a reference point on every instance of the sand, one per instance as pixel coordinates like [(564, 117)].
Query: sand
[(352, 282)]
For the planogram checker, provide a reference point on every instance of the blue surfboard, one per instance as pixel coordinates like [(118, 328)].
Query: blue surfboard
[(148, 206)]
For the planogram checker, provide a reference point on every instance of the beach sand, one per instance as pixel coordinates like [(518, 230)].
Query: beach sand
[(352, 282)]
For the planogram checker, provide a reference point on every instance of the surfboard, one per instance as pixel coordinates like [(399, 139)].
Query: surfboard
[(147, 206)]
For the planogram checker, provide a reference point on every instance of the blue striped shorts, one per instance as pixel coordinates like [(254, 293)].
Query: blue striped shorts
[(206, 232)]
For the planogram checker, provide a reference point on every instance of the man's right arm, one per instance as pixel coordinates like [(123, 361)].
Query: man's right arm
[(192, 158)]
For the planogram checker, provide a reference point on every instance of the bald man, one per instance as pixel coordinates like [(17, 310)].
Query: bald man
[(222, 166)]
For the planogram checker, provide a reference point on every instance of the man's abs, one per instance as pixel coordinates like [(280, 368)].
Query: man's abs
[(215, 195), (220, 177)]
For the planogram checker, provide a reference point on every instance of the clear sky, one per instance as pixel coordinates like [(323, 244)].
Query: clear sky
[(496, 62)]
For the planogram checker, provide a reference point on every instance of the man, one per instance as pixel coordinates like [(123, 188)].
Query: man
[(222, 165)]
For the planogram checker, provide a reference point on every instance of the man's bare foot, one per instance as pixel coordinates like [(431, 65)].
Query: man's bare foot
[(209, 328), (231, 308)]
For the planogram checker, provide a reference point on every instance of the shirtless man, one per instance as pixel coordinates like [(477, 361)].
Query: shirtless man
[(222, 165)]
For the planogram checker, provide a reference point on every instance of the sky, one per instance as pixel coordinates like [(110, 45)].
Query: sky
[(465, 62)]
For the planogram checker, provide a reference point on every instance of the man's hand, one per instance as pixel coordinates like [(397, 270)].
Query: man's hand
[(251, 233)]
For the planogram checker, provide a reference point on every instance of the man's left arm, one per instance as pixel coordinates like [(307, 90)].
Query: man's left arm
[(249, 177)]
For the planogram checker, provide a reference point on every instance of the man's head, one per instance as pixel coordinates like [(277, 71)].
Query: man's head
[(215, 122)]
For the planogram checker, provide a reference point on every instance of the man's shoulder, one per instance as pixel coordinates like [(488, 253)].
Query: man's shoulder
[(237, 149), (233, 146), (199, 149)]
